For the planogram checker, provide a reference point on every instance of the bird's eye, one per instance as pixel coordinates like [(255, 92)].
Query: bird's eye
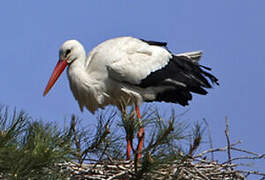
[(67, 52)]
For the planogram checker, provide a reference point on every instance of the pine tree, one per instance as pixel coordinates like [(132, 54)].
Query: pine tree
[(29, 149), (32, 149)]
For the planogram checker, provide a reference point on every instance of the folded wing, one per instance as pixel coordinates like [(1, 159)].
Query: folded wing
[(149, 64)]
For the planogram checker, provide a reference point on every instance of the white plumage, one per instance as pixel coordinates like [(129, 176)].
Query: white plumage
[(100, 80), (125, 69)]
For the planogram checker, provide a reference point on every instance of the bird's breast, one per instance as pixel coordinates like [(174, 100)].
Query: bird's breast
[(87, 88)]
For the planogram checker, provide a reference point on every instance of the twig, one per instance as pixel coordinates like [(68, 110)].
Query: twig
[(228, 139), (210, 138), (201, 174), (76, 140), (252, 172), (96, 143), (117, 175), (216, 149), (246, 157), (245, 151)]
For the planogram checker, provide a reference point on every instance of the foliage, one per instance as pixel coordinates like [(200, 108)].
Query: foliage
[(32, 149), (29, 149)]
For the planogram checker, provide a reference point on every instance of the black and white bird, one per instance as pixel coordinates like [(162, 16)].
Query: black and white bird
[(130, 70)]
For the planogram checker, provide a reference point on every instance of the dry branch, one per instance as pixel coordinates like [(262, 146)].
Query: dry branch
[(198, 166)]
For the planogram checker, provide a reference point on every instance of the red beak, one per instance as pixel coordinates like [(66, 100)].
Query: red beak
[(60, 66)]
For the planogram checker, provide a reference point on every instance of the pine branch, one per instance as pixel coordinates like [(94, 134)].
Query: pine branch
[(31, 148)]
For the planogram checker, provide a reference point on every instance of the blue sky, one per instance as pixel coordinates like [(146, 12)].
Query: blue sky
[(231, 34)]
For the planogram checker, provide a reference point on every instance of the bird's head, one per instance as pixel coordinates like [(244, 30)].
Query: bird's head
[(70, 51)]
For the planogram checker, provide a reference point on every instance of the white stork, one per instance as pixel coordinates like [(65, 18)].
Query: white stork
[(130, 70)]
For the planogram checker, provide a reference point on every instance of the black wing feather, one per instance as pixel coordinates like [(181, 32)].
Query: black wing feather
[(155, 43), (184, 75)]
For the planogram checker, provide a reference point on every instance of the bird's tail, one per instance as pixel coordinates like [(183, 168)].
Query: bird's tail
[(194, 55)]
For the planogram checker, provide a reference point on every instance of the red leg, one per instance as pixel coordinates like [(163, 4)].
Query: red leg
[(128, 150), (140, 135), (137, 111)]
